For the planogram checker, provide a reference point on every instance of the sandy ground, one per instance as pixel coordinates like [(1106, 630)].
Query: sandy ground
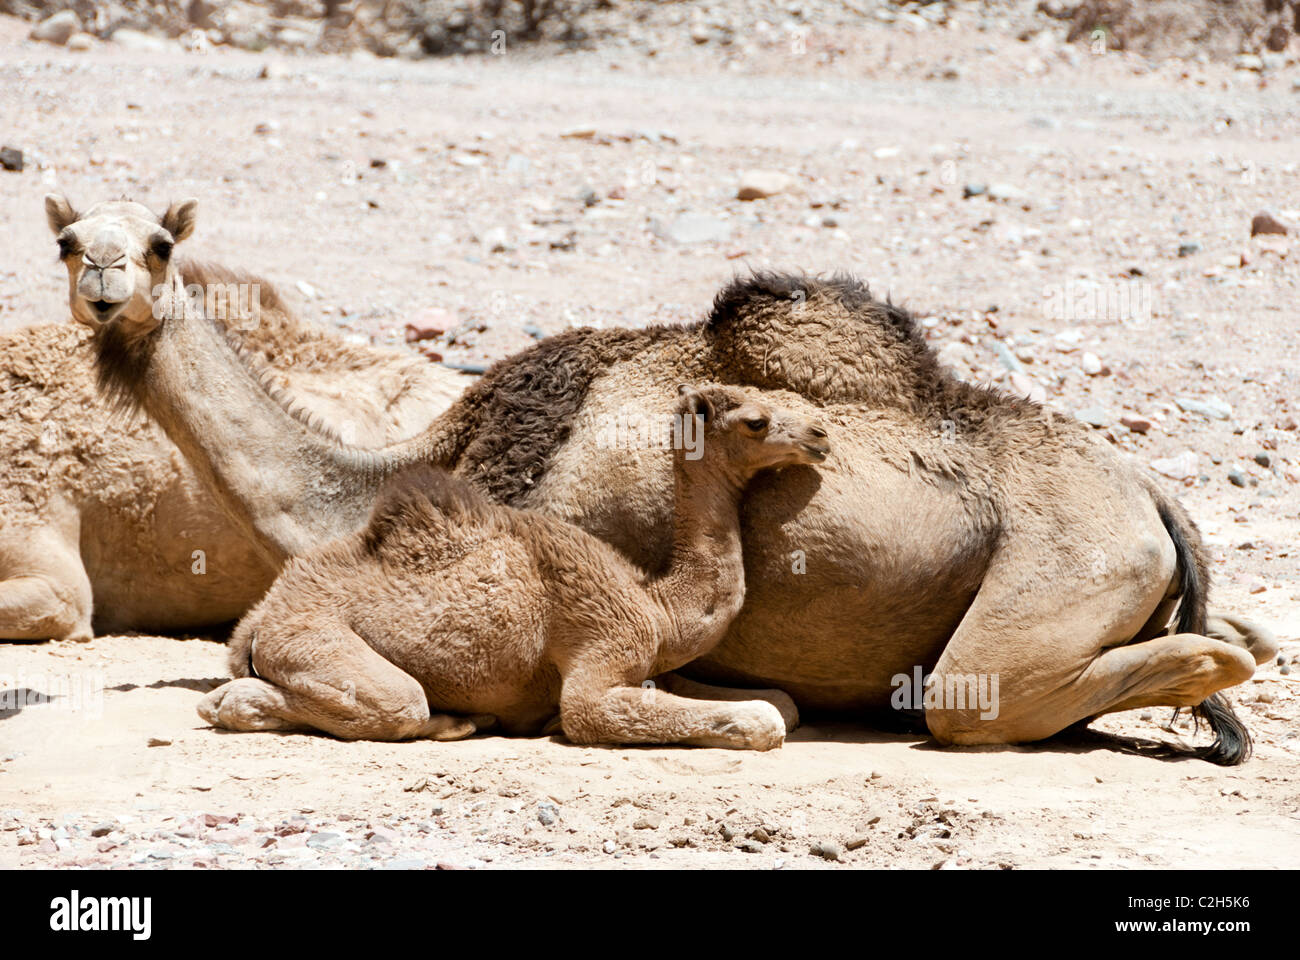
[(477, 215)]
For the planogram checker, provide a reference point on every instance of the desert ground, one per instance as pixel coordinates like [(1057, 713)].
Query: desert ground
[(1071, 223)]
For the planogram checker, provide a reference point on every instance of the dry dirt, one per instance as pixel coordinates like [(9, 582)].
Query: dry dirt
[(477, 215)]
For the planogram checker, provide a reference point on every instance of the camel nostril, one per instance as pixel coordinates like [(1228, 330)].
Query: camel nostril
[(818, 432)]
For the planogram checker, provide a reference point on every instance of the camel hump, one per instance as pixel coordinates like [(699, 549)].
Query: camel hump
[(422, 494), (763, 290)]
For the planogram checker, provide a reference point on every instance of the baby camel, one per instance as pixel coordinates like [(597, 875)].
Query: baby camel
[(448, 602)]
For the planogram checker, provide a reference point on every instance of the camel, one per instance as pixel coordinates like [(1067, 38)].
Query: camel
[(960, 530), (103, 525), (447, 604)]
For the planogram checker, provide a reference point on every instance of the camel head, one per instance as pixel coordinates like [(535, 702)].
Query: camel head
[(743, 433), (119, 259)]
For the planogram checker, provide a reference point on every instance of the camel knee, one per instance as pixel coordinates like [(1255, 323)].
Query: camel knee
[(1215, 668), (37, 607)]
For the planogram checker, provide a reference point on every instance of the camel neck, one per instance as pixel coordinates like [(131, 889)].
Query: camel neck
[(290, 488), (703, 587)]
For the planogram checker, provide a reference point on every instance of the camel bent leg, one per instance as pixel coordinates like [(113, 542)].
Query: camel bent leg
[(595, 708), (1058, 660), (331, 680), (44, 591), (685, 687)]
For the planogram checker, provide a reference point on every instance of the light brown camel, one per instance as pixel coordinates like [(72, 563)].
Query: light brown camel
[(450, 604), (100, 516), (959, 530)]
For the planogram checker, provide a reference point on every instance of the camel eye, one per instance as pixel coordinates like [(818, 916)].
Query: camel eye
[(757, 423), (67, 246), (161, 247)]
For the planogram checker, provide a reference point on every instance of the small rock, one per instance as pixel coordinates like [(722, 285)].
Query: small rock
[(138, 40), (750, 846), (1179, 467), (827, 850), (306, 289), (1257, 586), (1265, 222), (728, 834), (324, 840), (761, 835), (1211, 409), (159, 742), (1135, 423), (648, 821), (974, 190), (81, 42), (102, 829), (699, 33), (1095, 417), (609, 846), (1236, 478), (547, 813), (11, 158), (1189, 248), (1091, 364), (1249, 61), (758, 184), (580, 132), (1263, 459), (57, 29), (857, 842)]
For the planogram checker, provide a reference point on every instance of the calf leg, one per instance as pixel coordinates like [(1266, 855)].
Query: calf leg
[(328, 679), (597, 708)]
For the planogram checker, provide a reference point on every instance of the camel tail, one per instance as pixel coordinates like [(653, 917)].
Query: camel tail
[(1232, 743)]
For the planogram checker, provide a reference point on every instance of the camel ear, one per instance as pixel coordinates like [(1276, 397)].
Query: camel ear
[(59, 212), (695, 403), (180, 218)]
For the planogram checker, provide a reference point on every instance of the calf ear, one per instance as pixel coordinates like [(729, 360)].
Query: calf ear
[(695, 403), (180, 218), (59, 212)]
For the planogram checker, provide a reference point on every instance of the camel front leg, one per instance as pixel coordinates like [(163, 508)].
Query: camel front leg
[(694, 690), (595, 711), (329, 679)]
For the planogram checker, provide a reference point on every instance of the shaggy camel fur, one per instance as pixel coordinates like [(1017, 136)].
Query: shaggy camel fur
[(448, 602), (100, 516), (959, 530)]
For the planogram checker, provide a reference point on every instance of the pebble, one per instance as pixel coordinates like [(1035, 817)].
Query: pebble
[(11, 158), (102, 829), (1178, 467), (1212, 409), (609, 846), (1189, 248), (1095, 417), (1265, 222), (827, 850), (1136, 424), (547, 813), (325, 841), (857, 842), (648, 821), (759, 184), (749, 846), (57, 29), (1091, 364), (1263, 459), (1236, 478)]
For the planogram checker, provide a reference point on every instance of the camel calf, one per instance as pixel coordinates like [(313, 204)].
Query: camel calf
[(449, 604)]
